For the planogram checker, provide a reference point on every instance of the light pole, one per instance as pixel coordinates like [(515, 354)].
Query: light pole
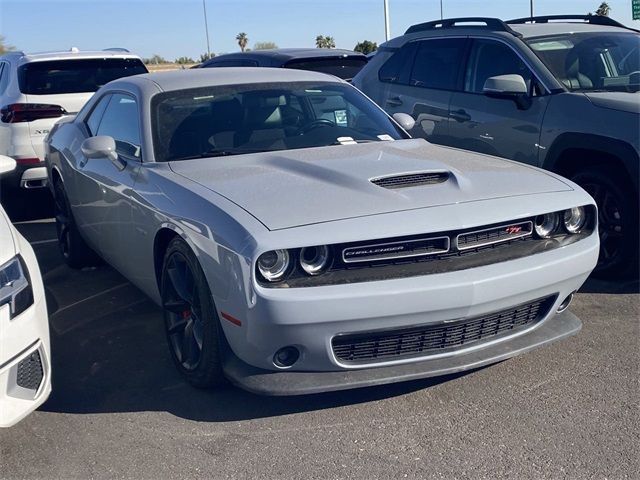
[(441, 16), (206, 28), (531, 8), (386, 20)]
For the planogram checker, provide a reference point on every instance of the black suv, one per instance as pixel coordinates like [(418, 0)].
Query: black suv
[(557, 92)]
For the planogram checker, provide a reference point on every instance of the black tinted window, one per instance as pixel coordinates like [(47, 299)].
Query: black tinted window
[(231, 63), (489, 59), (398, 67), (74, 76), (96, 115), (4, 76), (121, 121), (345, 68), (437, 63)]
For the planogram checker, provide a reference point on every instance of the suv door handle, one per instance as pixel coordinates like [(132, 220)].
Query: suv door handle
[(394, 101), (460, 116)]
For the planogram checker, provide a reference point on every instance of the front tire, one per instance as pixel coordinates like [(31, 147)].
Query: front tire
[(617, 221), (193, 330)]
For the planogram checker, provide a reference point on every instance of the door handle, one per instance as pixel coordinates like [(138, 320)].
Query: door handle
[(460, 116), (394, 101)]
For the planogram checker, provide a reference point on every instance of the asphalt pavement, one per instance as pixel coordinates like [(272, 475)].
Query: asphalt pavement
[(119, 409)]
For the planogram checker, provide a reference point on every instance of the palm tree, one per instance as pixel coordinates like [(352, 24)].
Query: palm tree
[(325, 42), (603, 10), (243, 40)]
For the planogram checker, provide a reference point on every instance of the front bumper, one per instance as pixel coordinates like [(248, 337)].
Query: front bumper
[(267, 382), (309, 318)]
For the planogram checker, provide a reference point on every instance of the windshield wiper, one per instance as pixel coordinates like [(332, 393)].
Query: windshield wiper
[(219, 152)]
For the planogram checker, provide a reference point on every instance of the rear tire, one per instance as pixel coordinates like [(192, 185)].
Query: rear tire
[(74, 250), (617, 221), (192, 326)]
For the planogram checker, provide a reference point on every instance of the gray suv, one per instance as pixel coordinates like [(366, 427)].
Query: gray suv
[(558, 92)]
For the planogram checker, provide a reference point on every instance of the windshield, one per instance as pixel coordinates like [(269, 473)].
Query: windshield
[(592, 61), (74, 76), (232, 120), (344, 68)]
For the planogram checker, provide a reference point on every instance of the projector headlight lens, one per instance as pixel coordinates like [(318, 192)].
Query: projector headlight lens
[(273, 265), (575, 219), (546, 224), (314, 260)]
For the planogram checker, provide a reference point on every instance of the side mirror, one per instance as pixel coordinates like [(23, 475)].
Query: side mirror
[(508, 86), (100, 147), (7, 164), (405, 120)]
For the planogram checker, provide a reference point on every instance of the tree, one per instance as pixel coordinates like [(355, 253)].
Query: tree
[(264, 46), (4, 48), (325, 42), (206, 56), (365, 47), (243, 40), (603, 10), (155, 60), (184, 60)]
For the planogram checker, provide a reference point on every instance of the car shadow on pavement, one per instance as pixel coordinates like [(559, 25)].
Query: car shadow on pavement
[(109, 354), (595, 285)]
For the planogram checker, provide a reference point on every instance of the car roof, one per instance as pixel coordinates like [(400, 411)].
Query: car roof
[(213, 77), (286, 54), (72, 54), (530, 30)]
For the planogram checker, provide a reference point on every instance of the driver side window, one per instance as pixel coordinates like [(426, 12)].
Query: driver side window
[(489, 58), (121, 121)]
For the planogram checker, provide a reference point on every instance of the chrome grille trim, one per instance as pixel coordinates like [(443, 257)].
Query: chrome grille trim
[(526, 229), (378, 252)]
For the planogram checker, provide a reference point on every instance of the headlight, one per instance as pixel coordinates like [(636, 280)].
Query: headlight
[(273, 265), (15, 289), (546, 224), (314, 260), (575, 219)]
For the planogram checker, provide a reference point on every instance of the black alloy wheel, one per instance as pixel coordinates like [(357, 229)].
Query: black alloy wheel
[(617, 222), (191, 322)]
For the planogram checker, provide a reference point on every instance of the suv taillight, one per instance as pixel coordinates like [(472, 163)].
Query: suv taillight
[(27, 112)]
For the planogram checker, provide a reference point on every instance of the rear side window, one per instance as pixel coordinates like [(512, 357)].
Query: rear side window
[(74, 76), (344, 68), (121, 121), (398, 68), (4, 76), (437, 63)]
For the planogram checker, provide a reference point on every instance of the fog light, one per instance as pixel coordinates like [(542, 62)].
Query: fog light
[(565, 303), (286, 356), (546, 224)]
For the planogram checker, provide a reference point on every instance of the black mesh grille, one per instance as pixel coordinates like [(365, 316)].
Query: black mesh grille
[(419, 341), (30, 372), (411, 180), (494, 235)]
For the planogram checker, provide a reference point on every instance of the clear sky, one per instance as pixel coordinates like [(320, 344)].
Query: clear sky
[(173, 28)]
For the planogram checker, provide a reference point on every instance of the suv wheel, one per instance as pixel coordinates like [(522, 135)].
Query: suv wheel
[(617, 221)]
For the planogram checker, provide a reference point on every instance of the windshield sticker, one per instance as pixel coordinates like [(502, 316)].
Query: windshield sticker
[(346, 141), (341, 117), (385, 138)]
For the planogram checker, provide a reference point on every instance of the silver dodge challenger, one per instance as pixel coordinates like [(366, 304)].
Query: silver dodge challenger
[(299, 241)]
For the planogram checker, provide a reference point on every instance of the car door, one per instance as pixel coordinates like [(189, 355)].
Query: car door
[(420, 79), (104, 186), (497, 126)]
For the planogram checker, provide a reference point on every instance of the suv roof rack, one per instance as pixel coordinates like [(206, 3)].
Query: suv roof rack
[(115, 49), (494, 24), (592, 19)]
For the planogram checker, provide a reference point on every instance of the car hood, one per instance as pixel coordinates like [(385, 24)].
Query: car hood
[(291, 188), (625, 101), (7, 245)]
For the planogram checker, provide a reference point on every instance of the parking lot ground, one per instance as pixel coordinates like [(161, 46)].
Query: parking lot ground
[(120, 410)]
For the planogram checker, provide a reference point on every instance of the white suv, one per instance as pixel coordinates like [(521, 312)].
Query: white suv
[(38, 89)]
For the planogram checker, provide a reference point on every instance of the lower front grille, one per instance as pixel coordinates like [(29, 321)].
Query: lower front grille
[(390, 345), (30, 372)]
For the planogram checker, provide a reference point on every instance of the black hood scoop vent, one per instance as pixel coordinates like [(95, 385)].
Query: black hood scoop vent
[(407, 180)]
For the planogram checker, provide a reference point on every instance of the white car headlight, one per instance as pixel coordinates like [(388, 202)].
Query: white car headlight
[(546, 225), (575, 219), (15, 289), (314, 260), (273, 265)]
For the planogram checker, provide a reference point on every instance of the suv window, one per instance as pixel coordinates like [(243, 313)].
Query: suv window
[(74, 76), (489, 58), (232, 63), (398, 67), (437, 63), (345, 68), (121, 121), (4, 76)]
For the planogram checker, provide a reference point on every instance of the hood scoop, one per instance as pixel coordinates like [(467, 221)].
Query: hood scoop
[(407, 180)]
